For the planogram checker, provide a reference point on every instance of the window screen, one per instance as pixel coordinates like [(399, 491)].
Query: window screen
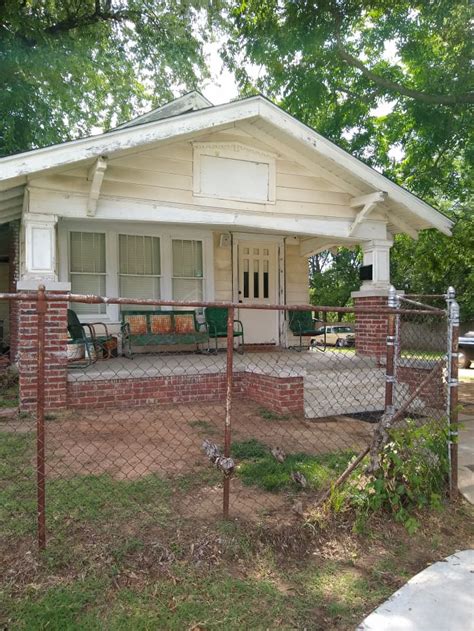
[(187, 270), (87, 268), (139, 266)]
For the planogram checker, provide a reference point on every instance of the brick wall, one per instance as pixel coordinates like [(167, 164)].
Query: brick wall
[(371, 328), (55, 370), (434, 394), (281, 395)]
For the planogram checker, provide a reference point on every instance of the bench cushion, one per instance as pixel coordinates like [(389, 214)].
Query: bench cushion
[(137, 323), (184, 323), (161, 323)]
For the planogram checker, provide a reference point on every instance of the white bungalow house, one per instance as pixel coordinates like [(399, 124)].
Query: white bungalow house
[(193, 201)]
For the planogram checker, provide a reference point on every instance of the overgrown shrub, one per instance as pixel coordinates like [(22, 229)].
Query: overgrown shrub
[(413, 475)]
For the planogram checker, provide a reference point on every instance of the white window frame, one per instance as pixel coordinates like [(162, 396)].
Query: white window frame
[(202, 278), (155, 276), (233, 151), (166, 234)]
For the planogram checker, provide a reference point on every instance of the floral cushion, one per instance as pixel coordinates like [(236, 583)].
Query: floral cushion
[(137, 324), (161, 324), (184, 323)]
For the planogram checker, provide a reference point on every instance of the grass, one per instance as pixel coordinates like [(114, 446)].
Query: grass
[(269, 415), (330, 582), (118, 558), (257, 467), (203, 427), (89, 498), (8, 389)]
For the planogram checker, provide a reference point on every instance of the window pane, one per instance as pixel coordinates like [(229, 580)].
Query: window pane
[(87, 252), (88, 284), (187, 289), (139, 255), (187, 259), (139, 287)]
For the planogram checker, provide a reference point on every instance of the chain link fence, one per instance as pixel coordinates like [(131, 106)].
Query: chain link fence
[(165, 422)]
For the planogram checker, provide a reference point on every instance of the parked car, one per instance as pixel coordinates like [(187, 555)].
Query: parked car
[(466, 349), (339, 335)]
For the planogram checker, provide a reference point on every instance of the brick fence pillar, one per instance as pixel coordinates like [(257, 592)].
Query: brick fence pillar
[(371, 328), (55, 370)]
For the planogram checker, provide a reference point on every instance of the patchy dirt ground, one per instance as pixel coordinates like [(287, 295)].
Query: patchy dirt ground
[(130, 443)]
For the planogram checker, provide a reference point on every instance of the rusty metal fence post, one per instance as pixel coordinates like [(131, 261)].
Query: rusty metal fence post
[(41, 307), (452, 403), (228, 405)]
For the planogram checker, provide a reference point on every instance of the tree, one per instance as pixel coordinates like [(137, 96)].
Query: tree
[(332, 285), (336, 63), (436, 261), (69, 65)]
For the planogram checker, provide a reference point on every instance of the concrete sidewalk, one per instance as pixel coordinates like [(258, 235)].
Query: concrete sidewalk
[(466, 437), (440, 598)]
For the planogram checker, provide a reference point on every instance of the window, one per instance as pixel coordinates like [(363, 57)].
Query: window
[(139, 266), (87, 268), (187, 270)]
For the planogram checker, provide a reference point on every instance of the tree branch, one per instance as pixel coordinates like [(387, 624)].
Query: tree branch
[(392, 86), (73, 22)]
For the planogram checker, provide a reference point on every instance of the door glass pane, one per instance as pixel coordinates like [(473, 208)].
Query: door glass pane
[(256, 267), (246, 278), (265, 279)]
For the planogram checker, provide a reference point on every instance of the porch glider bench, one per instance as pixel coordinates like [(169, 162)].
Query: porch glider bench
[(161, 328)]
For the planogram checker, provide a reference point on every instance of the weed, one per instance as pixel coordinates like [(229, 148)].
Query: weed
[(268, 415), (203, 427), (256, 466), (413, 475)]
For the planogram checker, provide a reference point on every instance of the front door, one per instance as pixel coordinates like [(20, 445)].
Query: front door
[(258, 284)]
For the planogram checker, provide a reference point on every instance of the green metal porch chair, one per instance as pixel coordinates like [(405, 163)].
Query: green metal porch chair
[(301, 324), (84, 333), (216, 321)]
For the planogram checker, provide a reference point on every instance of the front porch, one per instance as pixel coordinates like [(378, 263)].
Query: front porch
[(312, 384)]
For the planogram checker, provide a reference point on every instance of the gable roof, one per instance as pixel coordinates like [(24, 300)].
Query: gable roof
[(189, 102), (194, 114)]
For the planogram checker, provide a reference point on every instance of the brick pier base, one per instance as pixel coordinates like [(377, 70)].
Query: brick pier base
[(55, 368)]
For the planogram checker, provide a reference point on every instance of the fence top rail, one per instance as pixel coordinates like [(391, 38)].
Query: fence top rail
[(420, 304), (92, 299)]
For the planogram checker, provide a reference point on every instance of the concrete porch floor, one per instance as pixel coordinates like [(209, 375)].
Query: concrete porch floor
[(335, 382)]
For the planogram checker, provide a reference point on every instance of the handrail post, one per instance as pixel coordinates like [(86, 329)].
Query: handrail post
[(228, 405)]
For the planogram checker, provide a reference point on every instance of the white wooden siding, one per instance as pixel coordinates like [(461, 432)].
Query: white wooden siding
[(222, 270), (165, 175), (297, 286)]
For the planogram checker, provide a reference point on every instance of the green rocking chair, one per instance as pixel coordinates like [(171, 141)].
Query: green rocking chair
[(301, 324), (84, 333), (216, 321)]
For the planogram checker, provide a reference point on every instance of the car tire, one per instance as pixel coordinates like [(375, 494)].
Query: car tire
[(464, 361), (339, 343)]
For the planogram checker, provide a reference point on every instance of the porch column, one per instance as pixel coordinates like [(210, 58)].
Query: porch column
[(371, 328), (38, 267)]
